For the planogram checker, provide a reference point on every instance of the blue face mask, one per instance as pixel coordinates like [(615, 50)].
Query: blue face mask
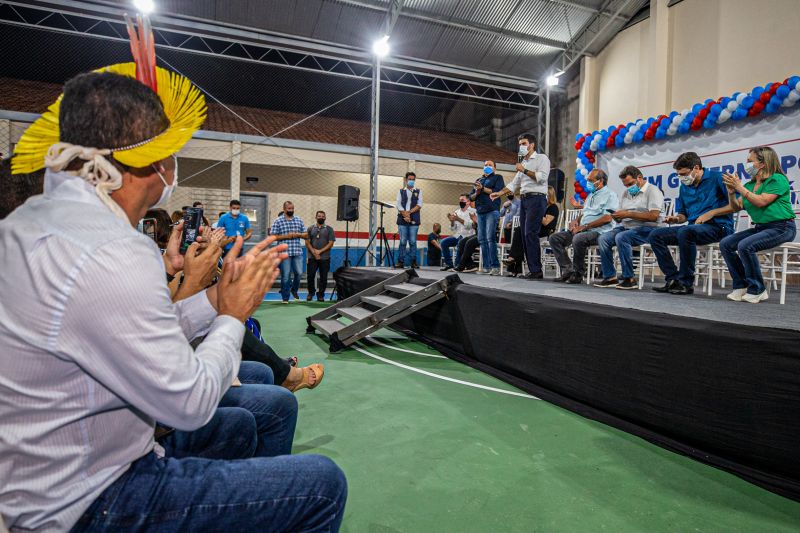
[(411, 183), (488, 170), (633, 190), (590, 188)]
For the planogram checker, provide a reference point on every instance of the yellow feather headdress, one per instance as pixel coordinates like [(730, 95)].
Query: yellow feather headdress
[(184, 106)]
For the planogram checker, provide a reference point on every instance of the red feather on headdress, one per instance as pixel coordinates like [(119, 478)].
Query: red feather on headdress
[(143, 49)]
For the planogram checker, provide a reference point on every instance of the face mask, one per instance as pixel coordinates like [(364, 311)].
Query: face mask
[(168, 189), (235, 212), (320, 221), (687, 180), (590, 188), (633, 190), (488, 170), (510, 197), (411, 183), (289, 213), (462, 204), (751, 169), (523, 150)]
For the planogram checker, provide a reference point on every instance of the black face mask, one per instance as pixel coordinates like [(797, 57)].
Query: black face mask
[(462, 204), (320, 221), (511, 197), (289, 213)]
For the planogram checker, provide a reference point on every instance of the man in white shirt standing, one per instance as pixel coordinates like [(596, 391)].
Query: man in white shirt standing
[(531, 178), (461, 227)]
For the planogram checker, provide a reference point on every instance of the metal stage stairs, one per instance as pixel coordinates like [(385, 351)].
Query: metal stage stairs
[(393, 299)]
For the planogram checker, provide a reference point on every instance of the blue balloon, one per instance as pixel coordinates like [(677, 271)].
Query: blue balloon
[(696, 108), (782, 92), (775, 100), (660, 134), (638, 137), (673, 114), (650, 121), (748, 102), (684, 127), (757, 92), (772, 108), (707, 101), (578, 137), (739, 114), (629, 125), (619, 141), (577, 197), (716, 109), (725, 101), (793, 81)]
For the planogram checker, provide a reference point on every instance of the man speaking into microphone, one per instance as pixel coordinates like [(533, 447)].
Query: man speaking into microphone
[(532, 171)]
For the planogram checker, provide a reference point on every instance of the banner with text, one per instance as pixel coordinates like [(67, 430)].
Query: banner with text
[(723, 149)]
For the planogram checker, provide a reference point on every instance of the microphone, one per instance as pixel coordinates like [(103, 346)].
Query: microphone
[(519, 158)]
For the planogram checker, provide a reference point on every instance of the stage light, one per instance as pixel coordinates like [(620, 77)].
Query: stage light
[(145, 7), (552, 81), (381, 46)]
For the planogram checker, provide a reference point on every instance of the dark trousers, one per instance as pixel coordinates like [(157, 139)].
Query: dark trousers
[(466, 248), (255, 350), (532, 211), (687, 238), (323, 265), (580, 244), (516, 252)]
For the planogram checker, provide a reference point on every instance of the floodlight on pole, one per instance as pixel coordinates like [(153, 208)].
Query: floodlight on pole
[(381, 46), (145, 7), (552, 80)]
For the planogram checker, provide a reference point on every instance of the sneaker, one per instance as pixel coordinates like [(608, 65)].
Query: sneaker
[(446, 268), (736, 295), (296, 296), (681, 289), (627, 284), (494, 272), (563, 277), (470, 269), (755, 298), (575, 279), (666, 288), (483, 271), (607, 283), (284, 301)]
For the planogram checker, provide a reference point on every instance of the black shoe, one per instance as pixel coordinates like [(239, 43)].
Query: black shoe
[(668, 286), (533, 275), (563, 277), (627, 284), (575, 279), (414, 265), (681, 289), (459, 268), (446, 268), (399, 265), (296, 296), (607, 283)]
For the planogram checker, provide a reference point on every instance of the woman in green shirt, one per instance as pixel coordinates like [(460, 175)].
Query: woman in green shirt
[(767, 200)]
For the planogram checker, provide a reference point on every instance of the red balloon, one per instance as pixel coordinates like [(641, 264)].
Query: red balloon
[(703, 113), (765, 97), (583, 195), (696, 125), (649, 135), (578, 187), (774, 87), (757, 108), (578, 145)]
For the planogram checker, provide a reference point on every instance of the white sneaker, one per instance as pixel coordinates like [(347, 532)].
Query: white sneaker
[(737, 295), (755, 298), (494, 272)]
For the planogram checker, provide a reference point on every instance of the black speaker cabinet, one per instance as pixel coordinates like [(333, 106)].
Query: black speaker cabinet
[(347, 207)]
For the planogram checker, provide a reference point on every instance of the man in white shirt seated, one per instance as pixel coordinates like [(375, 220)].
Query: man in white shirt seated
[(462, 225), (640, 212), (93, 350), (531, 179)]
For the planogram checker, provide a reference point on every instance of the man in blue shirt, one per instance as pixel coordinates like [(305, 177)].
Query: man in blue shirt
[(290, 230), (584, 231), (235, 223), (488, 214), (703, 203)]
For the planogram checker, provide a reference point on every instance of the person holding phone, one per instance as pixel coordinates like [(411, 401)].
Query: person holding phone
[(488, 210)]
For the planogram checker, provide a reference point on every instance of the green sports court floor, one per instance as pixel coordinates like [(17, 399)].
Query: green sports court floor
[(424, 452)]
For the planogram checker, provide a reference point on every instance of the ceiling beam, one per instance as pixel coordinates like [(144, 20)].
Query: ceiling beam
[(589, 9), (392, 14)]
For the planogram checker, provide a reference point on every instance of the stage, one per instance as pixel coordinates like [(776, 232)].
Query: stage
[(709, 378)]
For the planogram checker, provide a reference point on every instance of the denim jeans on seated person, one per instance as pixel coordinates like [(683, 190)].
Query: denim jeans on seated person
[(624, 240), (687, 238), (740, 252), (197, 487), (447, 253)]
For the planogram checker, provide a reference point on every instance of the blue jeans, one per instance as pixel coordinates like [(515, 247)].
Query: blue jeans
[(274, 408), (624, 240), (447, 254), (687, 238), (532, 209), (407, 255), (291, 265), (487, 237), (740, 252)]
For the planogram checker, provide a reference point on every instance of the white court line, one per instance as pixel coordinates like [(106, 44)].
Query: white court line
[(379, 343), (443, 378)]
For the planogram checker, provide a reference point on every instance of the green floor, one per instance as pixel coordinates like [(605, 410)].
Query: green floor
[(424, 454)]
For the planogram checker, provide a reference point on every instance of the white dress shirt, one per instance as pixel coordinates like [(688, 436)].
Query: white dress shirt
[(467, 228), (92, 351), (540, 165)]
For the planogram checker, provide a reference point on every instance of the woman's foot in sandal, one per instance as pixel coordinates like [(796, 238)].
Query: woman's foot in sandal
[(306, 377)]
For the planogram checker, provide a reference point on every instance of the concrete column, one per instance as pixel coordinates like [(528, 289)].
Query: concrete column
[(659, 86), (236, 169), (588, 107)]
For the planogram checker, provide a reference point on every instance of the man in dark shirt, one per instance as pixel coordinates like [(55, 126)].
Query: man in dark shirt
[(434, 246), (488, 215), (319, 243)]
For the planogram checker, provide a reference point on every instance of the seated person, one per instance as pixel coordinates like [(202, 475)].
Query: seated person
[(583, 232), (462, 225), (767, 198), (639, 214), (466, 251), (117, 357), (549, 222), (703, 203)]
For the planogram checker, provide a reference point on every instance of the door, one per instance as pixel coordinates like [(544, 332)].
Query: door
[(254, 206)]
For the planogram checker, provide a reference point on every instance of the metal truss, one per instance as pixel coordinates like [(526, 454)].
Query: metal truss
[(113, 28)]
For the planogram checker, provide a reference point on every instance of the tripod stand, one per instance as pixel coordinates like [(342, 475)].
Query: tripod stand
[(383, 241)]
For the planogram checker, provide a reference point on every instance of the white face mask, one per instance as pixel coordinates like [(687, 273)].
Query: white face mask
[(687, 180), (523, 150), (751, 169), (235, 212), (168, 189)]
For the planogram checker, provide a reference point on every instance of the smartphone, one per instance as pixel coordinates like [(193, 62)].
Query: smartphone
[(192, 220), (612, 211)]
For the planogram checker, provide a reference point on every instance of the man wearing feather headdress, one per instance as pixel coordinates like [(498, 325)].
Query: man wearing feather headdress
[(93, 351)]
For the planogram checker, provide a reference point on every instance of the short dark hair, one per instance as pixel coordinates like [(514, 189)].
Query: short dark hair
[(221, 213), (107, 110), (287, 202), (198, 202), (409, 173), (687, 160), (235, 202), (530, 137), (630, 170), (184, 207), (601, 175), (320, 211)]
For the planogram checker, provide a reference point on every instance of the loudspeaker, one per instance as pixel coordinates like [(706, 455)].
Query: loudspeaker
[(347, 207)]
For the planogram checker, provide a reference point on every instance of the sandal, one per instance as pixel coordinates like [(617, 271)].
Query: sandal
[(305, 383)]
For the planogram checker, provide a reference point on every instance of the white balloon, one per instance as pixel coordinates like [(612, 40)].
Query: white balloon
[(672, 130), (724, 116), (787, 103), (797, 86), (584, 172), (733, 105), (741, 97), (677, 119), (685, 112), (794, 96)]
